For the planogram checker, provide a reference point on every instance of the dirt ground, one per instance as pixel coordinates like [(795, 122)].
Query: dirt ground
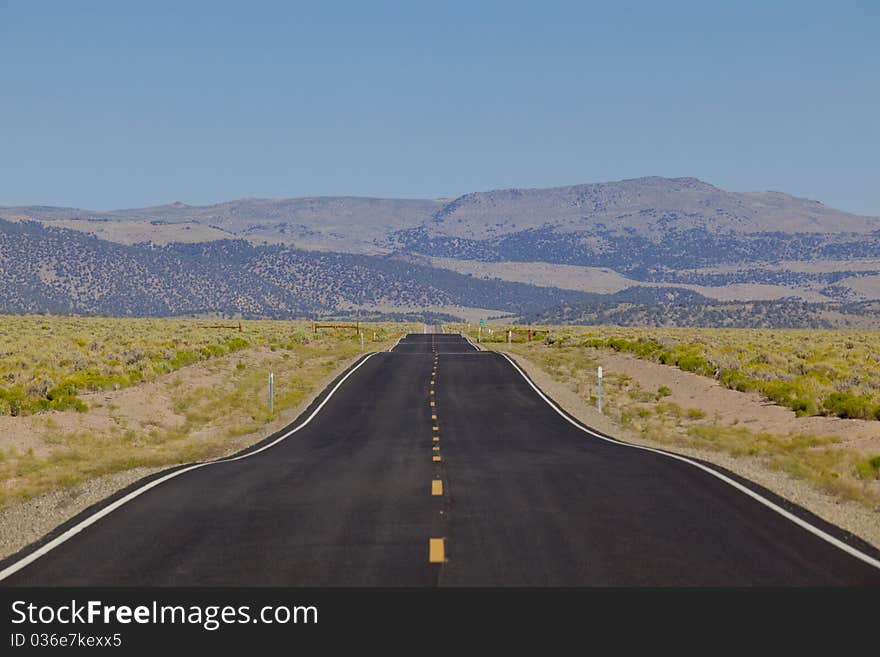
[(138, 408), (152, 404), (691, 390), (733, 408)]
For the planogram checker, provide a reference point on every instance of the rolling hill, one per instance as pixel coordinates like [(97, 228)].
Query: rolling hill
[(484, 251), (64, 271)]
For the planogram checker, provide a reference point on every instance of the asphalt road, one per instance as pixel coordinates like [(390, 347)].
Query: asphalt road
[(473, 479)]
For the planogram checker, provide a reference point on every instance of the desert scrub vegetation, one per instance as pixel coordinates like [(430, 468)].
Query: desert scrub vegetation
[(810, 371), (173, 413), (825, 462), (46, 363), (822, 461)]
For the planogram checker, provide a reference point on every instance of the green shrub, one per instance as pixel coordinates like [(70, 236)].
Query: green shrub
[(212, 350), (64, 402), (790, 395), (14, 400), (184, 358), (621, 344), (66, 388), (736, 380), (647, 348), (849, 405), (162, 368), (869, 468), (234, 344), (696, 364), (803, 406), (663, 391)]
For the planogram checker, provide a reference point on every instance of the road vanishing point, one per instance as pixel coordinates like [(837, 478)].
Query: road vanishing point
[(438, 464)]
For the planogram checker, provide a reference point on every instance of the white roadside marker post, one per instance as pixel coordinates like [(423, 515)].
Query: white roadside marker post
[(271, 394), (509, 337), (600, 390), (362, 340)]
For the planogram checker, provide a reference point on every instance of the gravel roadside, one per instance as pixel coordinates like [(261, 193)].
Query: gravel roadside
[(26, 522), (850, 516)]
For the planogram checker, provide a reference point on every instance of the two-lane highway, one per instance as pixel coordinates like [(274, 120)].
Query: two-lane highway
[(437, 464)]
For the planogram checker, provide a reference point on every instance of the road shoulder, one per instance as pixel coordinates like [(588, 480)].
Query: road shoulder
[(850, 516), (24, 523)]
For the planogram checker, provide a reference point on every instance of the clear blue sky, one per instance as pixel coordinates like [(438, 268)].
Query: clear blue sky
[(124, 104)]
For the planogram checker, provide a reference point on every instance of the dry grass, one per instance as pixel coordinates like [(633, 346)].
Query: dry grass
[(48, 363), (180, 409), (602, 280), (827, 372), (825, 462)]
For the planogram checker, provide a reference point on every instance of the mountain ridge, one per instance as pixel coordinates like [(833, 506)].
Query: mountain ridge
[(683, 235), (595, 198), (63, 271)]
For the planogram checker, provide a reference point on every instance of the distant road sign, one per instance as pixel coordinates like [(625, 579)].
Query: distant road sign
[(482, 323)]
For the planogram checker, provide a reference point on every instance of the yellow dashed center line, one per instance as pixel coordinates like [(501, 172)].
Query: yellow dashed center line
[(436, 550), (436, 546)]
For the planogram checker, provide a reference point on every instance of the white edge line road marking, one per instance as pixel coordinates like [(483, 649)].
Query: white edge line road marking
[(398, 341), (858, 554), (476, 348), (92, 519)]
